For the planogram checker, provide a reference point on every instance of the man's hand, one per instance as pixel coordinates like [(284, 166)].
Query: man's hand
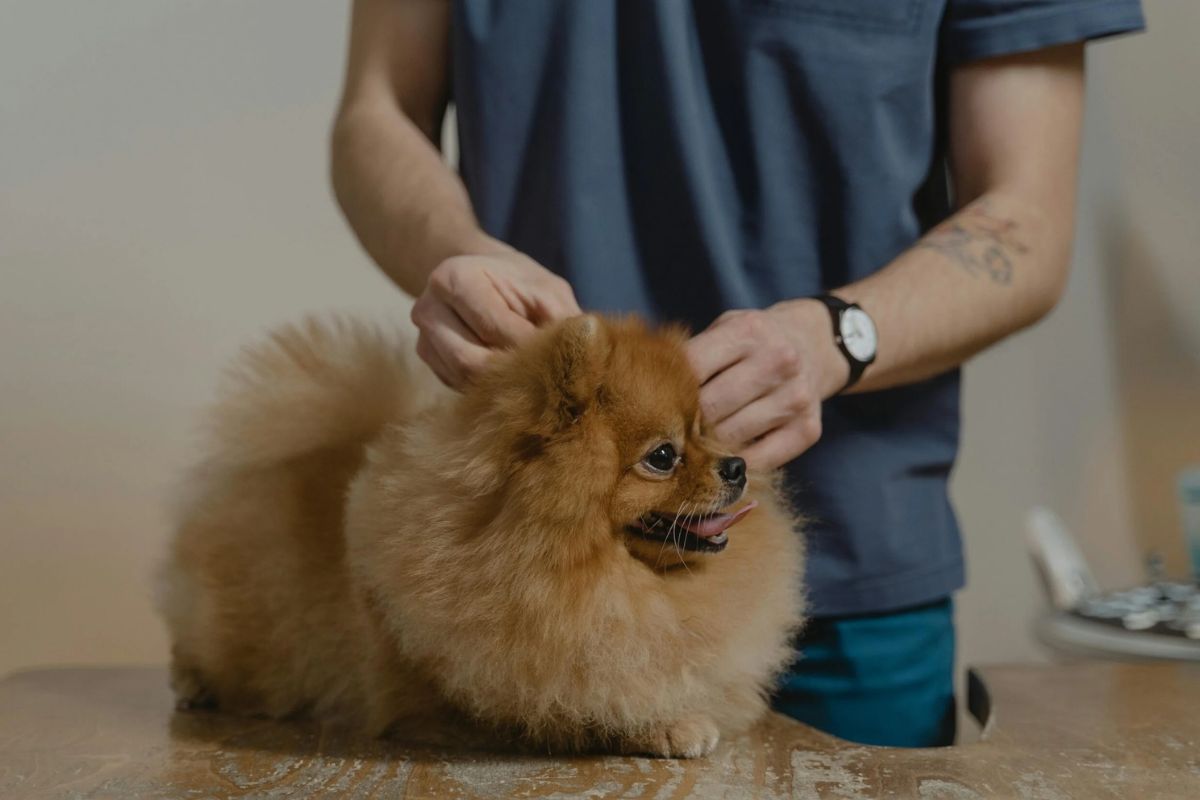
[(763, 377), (410, 210), (477, 304)]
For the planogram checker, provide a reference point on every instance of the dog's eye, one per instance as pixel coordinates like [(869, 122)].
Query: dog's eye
[(661, 458)]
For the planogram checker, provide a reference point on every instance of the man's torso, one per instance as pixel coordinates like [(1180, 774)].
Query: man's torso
[(681, 159)]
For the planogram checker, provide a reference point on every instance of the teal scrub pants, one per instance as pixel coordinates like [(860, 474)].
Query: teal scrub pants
[(882, 679)]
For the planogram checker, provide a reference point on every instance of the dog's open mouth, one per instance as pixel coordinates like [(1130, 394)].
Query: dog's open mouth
[(704, 533)]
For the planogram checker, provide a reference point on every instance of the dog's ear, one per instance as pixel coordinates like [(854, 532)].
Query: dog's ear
[(579, 350)]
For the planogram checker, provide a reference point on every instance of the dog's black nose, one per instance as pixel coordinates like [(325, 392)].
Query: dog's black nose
[(732, 470)]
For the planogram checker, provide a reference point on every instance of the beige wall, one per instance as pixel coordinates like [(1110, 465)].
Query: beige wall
[(163, 197)]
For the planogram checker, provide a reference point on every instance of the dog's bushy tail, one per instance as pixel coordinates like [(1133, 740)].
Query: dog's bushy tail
[(323, 382)]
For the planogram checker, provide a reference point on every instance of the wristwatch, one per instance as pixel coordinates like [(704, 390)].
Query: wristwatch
[(854, 334)]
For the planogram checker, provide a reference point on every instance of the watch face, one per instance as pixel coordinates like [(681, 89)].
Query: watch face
[(858, 334)]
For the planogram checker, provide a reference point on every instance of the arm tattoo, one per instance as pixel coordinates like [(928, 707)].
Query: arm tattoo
[(979, 242)]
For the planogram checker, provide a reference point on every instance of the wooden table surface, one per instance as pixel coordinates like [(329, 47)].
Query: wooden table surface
[(1052, 732)]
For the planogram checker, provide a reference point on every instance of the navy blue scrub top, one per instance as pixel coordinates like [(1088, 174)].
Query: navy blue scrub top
[(680, 159)]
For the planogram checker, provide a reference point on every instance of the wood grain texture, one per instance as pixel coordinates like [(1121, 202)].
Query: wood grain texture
[(1056, 732)]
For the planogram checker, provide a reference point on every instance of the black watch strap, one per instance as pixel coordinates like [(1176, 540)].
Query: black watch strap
[(837, 306)]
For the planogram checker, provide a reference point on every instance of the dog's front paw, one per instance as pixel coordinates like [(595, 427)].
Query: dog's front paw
[(191, 693), (689, 737)]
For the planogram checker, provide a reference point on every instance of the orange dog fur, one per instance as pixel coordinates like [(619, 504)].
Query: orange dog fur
[(362, 545)]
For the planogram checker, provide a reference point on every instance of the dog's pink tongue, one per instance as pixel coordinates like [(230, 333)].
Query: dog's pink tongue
[(719, 523)]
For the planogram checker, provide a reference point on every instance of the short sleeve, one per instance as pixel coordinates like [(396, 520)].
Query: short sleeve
[(975, 29)]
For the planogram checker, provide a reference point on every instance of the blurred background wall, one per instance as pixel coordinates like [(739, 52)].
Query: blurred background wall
[(163, 198)]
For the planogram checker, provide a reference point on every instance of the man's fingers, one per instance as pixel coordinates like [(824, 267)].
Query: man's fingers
[(429, 354), (565, 301), (760, 417), (477, 303), (733, 389), (713, 350), (553, 300), (552, 309), (783, 444), (460, 352), (772, 451)]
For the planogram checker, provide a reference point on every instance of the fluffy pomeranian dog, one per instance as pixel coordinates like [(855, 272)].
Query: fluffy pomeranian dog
[(558, 554)]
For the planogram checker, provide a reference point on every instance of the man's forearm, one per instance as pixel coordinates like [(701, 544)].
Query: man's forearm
[(474, 295), (408, 208), (994, 267), (1000, 263)]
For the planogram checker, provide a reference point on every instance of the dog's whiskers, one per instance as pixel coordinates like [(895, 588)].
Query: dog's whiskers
[(670, 535), (675, 540), (663, 546)]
